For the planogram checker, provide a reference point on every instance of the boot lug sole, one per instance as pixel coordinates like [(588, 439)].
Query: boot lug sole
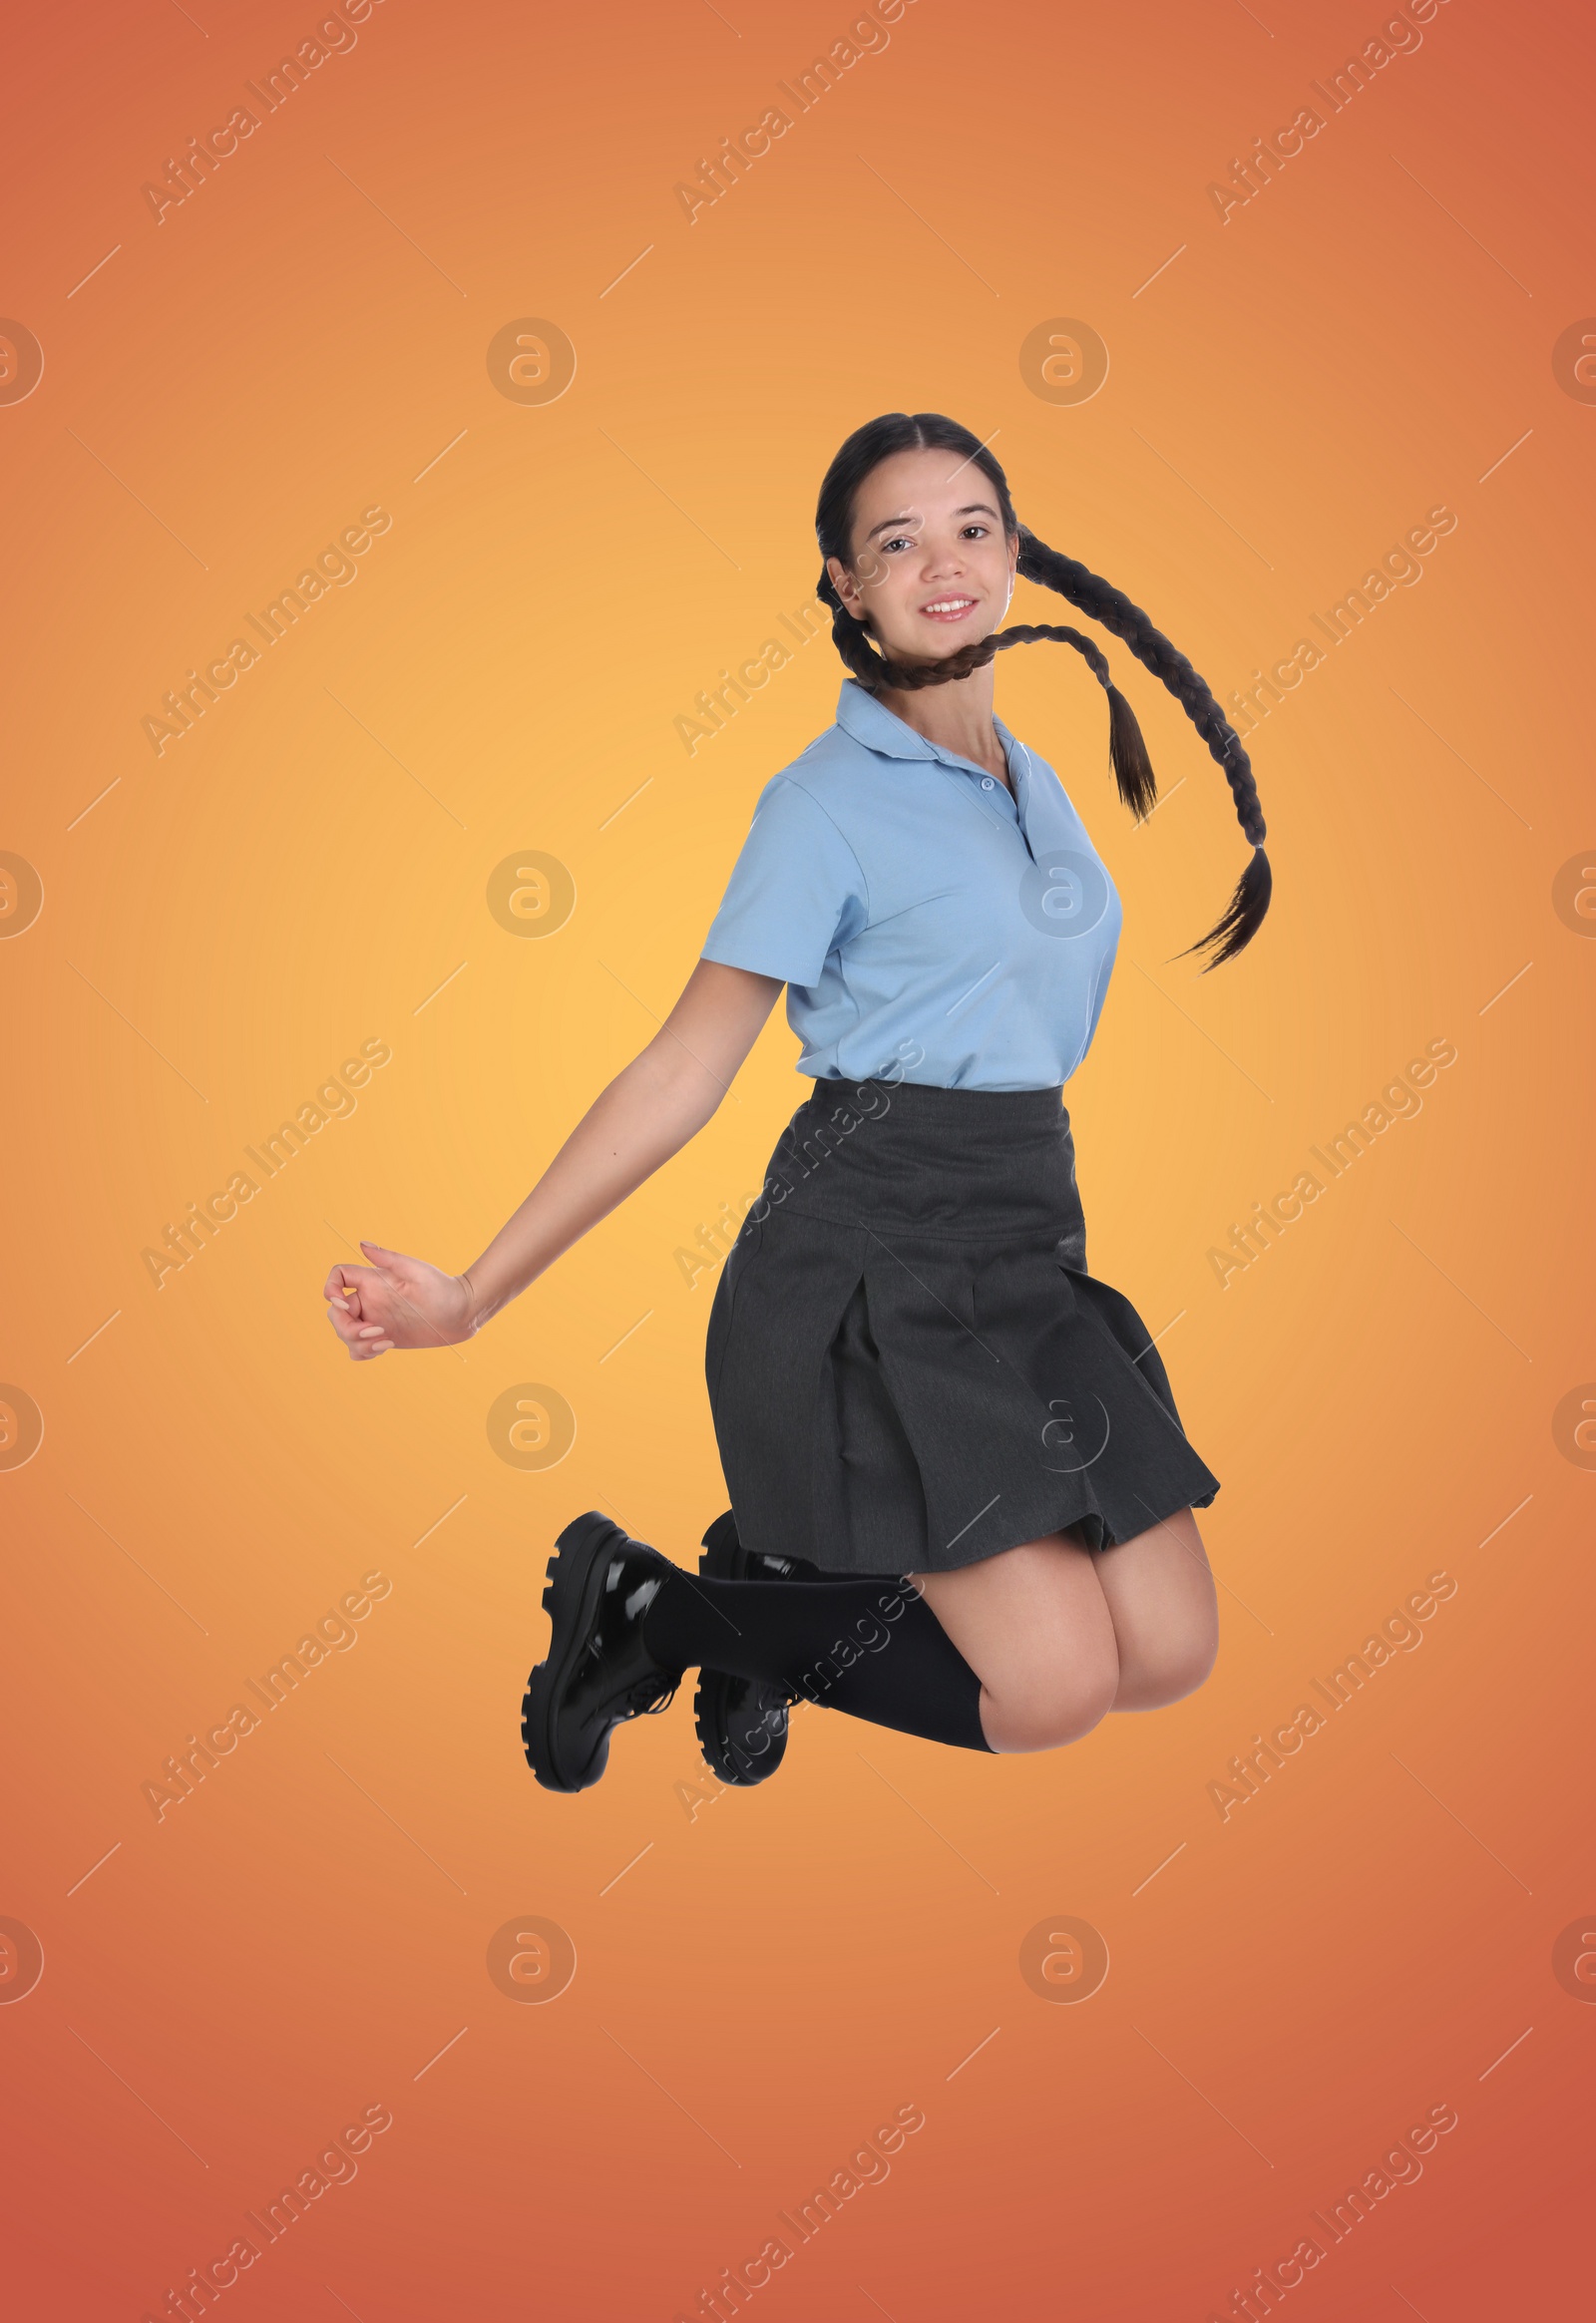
[(722, 1757), (570, 1598)]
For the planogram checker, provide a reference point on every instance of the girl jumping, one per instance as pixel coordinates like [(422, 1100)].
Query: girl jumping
[(961, 1493)]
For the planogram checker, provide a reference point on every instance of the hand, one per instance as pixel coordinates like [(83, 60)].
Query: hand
[(397, 1303)]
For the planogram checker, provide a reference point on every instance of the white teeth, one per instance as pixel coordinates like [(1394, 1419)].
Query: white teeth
[(947, 604)]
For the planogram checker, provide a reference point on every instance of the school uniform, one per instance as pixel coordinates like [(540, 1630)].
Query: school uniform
[(909, 1367)]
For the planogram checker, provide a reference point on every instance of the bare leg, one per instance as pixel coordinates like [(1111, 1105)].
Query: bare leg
[(1059, 1636), (1035, 1626)]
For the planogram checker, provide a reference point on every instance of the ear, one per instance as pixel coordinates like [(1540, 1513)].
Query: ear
[(847, 587), (1013, 569)]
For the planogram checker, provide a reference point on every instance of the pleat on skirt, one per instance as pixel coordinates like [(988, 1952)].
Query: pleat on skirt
[(909, 1367)]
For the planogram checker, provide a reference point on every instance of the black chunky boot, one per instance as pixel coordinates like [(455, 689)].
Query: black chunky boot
[(743, 1722), (599, 1671)]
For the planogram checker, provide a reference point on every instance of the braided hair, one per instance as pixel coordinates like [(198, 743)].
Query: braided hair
[(901, 431)]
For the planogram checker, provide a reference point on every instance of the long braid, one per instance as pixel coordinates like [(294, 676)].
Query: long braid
[(1109, 606), (1103, 603), (848, 635)]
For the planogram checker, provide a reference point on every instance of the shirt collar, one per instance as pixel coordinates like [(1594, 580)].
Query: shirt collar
[(870, 721)]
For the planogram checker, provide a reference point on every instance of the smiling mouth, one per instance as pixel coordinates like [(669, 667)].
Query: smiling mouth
[(948, 608)]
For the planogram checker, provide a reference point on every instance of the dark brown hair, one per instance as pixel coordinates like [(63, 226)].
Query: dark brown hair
[(900, 430)]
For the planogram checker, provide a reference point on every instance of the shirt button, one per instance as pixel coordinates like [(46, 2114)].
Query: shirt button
[(987, 783)]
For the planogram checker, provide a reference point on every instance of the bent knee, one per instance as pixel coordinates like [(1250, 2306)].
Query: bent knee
[(1152, 1680), (1046, 1714)]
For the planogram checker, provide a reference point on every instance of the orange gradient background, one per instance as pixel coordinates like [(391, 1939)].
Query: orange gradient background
[(764, 1977)]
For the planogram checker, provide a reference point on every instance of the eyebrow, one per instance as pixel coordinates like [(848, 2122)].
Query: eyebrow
[(971, 509)]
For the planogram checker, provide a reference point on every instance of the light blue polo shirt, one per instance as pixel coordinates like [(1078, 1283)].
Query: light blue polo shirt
[(926, 923)]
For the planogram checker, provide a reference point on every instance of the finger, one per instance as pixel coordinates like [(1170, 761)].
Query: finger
[(345, 1282), (345, 1326), (373, 1330), (344, 1279), (386, 1261)]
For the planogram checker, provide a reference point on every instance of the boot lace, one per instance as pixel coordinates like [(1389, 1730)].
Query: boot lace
[(652, 1693)]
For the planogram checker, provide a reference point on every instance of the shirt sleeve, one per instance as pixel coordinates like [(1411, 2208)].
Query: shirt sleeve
[(796, 890)]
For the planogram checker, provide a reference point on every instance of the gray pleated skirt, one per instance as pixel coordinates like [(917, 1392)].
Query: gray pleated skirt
[(909, 1367)]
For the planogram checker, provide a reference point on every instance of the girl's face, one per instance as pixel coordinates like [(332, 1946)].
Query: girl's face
[(931, 565)]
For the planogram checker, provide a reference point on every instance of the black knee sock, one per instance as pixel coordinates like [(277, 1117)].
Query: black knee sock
[(873, 1649)]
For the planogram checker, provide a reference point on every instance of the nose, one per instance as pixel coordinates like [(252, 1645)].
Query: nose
[(942, 560)]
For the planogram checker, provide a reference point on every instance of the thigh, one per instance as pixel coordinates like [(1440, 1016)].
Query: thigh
[(1030, 1617)]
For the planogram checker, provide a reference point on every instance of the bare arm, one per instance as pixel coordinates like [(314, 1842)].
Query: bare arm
[(649, 1111)]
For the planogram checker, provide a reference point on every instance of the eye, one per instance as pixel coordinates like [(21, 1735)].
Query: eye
[(896, 538), (977, 527)]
